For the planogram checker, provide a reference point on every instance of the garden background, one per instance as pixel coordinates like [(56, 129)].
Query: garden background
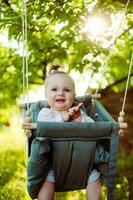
[(79, 35)]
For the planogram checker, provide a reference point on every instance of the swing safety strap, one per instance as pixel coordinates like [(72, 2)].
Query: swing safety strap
[(114, 141)]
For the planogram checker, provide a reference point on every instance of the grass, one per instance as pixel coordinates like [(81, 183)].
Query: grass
[(12, 165)]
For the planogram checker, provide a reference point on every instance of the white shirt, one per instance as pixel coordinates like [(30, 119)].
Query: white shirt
[(49, 115)]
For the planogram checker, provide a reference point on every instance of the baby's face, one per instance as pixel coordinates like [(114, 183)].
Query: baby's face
[(60, 92)]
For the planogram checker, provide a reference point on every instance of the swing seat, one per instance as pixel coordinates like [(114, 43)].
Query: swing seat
[(73, 149)]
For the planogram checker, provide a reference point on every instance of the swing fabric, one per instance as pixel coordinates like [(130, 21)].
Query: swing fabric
[(73, 149)]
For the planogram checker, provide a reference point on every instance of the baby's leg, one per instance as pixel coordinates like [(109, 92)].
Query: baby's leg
[(47, 191), (94, 190), (94, 187)]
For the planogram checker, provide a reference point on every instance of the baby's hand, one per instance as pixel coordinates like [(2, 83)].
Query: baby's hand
[(75, 113), (65, 116), (75, 109), (26, 125)]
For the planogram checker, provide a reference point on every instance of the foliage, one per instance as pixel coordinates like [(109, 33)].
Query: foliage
[(55, 35), (11, 173), (122, 189), (12, 168)]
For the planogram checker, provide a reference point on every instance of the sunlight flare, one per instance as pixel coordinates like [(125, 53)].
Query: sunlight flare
[(95, 26)]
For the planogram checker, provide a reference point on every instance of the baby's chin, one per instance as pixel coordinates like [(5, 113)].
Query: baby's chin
[(60, 109)]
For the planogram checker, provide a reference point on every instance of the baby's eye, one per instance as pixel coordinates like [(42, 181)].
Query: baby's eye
[(54, 89), (67, 90)]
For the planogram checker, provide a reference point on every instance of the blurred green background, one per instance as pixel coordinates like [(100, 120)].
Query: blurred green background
[(79, 35)]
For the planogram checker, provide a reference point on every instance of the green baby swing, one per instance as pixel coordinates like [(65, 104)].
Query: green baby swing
[(59, 142)]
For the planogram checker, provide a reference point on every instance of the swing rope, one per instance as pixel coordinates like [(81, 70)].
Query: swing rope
[(25, 54), (129, 73), (27, 114), (122, 113), (104, 66)]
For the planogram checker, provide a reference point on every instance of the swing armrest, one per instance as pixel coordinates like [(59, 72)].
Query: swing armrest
[(90, 130), (96, 96), (29, 126), (34, 125)]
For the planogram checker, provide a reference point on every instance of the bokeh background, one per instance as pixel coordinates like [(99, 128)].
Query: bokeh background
[(92, 40)]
